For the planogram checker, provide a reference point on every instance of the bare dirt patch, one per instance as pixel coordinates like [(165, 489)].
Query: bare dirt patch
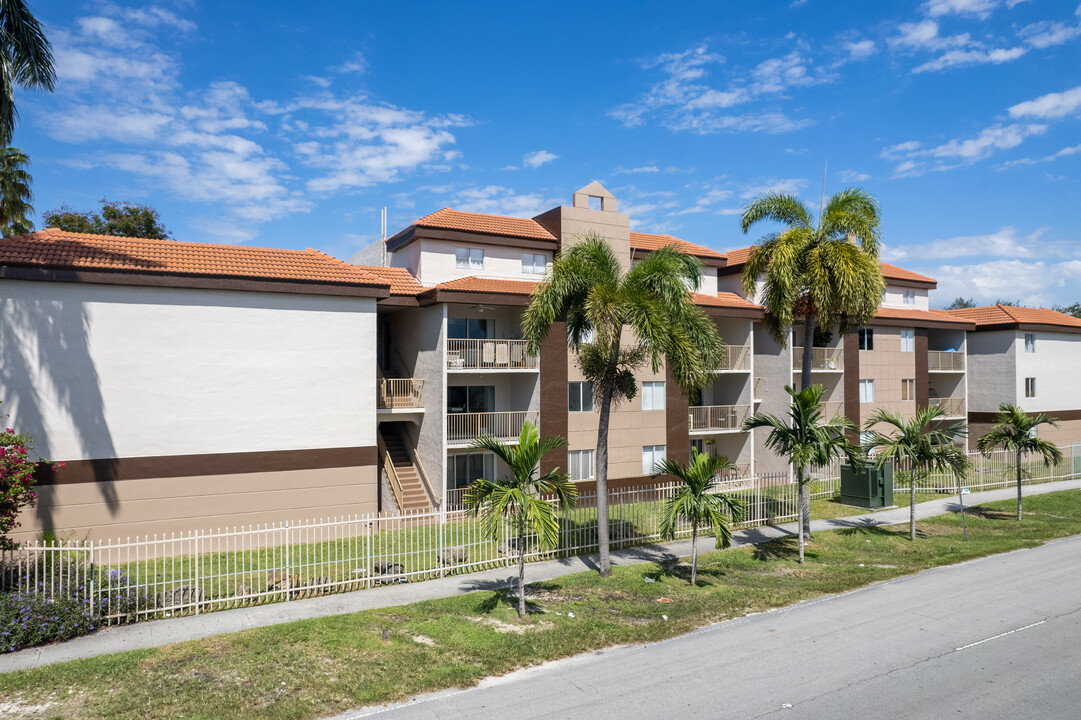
[(502, 627)]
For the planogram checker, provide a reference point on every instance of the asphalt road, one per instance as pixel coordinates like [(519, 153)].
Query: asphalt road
[(998, 637)]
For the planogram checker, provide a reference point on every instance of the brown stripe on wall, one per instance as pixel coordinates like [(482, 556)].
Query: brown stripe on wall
[(554, 357), (676, 415), (923, 379), (852, 380), (171, 466), (990, 417)]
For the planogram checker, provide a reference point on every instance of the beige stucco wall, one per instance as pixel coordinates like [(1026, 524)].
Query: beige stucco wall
[(887, 366)]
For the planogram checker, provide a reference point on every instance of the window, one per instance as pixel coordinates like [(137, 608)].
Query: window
[(908, 297), (1030, 342), (653, 396), (588, 336), (651, 455), (867, 391), (581, 464), (462, 470), (470, 398), (534, 264), (469, 258), (1030, 387), (468, 328), (580, 397), (867, 339), (908, 341), (908, 389)]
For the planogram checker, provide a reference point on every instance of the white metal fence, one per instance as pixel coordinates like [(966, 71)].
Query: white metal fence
[(139, 578)]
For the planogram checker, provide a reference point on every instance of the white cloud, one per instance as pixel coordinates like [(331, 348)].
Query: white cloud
[(1048, 34), (1064, 152), (154, 16), (538, 158), (1006, 243), (980, 8), (778, 74), (635, 170), (792, 186), (913, 159), (955, 58), (861, 49), (1050, 106), (924, 35), (356, 64), (499, 200), (853, 176), (1036, 283)]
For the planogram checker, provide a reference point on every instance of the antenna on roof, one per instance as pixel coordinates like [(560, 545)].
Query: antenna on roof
[(383, 236)]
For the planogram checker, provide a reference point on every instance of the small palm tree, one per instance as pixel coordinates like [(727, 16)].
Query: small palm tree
[(1015, 431), (589, 288), (694, 503), (517, 498), (807, 440), (923, 442), (15, 193), (26, 59)]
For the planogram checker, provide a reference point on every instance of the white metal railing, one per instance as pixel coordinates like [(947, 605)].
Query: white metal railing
[(822, 358), (945, 361), (951, 407), (390, 472), (489, 355), (717, 417), (736, 357), (398, 393), (205, 570), (465, 427)]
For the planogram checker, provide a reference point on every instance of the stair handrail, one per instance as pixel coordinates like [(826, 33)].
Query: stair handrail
[(437, 500), (392, 474)]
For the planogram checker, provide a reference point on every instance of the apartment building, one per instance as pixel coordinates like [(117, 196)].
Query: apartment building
[(1027, 357)]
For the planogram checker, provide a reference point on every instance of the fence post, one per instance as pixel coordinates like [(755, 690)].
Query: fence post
[(196, 563), (288, 559)]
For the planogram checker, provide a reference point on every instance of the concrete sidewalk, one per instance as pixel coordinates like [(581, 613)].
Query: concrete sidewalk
[(193, 627)]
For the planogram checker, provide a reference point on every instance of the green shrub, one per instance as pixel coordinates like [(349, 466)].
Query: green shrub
[(28, 620)]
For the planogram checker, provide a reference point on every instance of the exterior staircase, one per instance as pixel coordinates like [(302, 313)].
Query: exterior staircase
[(413, 497)]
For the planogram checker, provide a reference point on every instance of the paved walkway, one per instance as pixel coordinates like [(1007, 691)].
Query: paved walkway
[(193, 627)]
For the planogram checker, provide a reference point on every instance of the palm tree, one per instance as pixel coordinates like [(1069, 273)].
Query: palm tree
[(589, 288), (26, 59), (923, 442), (807, 439), (693, 502), (15, 192), (517, 497), (1015, 431)]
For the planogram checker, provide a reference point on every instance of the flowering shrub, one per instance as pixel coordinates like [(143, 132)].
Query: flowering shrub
[(29, 619), (16, 481)]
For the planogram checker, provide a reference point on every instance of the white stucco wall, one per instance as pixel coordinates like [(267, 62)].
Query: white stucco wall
[(435, 261), (894, 298), (1054, 365), (95, 371)]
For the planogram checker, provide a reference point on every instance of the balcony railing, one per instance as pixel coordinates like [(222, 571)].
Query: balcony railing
[(463, 428), (489, 355), (951, 407), (822, 358), (945, 361), (717, 417), (399, 393), (736, 357)]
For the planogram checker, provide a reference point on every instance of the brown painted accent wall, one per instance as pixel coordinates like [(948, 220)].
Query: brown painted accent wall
[(852, 379), (1061, 415), (923, 380), (676, 405), (553, 393), (106, 470)]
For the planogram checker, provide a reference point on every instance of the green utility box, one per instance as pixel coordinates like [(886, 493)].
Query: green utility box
[(870, 488)]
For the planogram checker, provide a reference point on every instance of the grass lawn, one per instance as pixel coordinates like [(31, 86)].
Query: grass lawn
[(825, 508), (320, 667)]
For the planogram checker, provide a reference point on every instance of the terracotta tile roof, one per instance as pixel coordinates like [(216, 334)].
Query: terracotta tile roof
[(401, 280), (448, 219), (725, 300), (739, 258), (1009, 316), (489, 285), (922, 316), (649, 241), (57, 249)]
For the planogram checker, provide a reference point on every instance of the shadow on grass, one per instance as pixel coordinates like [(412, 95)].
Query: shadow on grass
[(979, 511), (672, 567), (503, 592), (786, 548)]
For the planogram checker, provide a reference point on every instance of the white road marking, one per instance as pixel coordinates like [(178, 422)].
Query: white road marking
[(1000, 635)]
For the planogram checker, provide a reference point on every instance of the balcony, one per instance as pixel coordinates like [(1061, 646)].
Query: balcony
[(399, 394), (737, 358), (463, 428), (952, 407), (717, 418), (472, 355), (945, 361), (823, 359)]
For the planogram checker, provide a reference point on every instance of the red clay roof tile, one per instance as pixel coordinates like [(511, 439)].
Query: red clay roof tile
[(448, 219), (922, 316), (1009, 316), (401, 280), (738, 258), (650, 241), (489, 285), (725, 300)]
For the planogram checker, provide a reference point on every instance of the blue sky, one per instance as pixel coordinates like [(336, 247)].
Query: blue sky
[(261, 123)]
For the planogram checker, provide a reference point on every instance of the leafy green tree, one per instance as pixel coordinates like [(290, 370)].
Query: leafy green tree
[(807, 439), (15, 193), (826, 272), (26, 60), (694, 503), (923, 442), (1074, 309), (116, 218), (589, 288), (517, 498), (961, 303), (1015, 431)]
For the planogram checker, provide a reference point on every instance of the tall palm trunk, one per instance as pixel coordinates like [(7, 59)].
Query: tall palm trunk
[(521, 566), (804, 498), (694, 553), (603, 422), (1018, 484), (912, 505), (799, 479)]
